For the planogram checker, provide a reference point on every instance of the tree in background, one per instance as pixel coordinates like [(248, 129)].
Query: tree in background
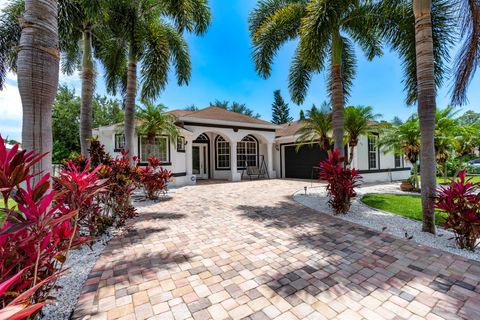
[(235, 107), (445, 128), (316, 128), (470, 117), (465, 143), (327, 32), (358, 122), (66, 120), (301, 116), (149, 34), (403, 138), (191, 108), (155, 121), (280, 109)]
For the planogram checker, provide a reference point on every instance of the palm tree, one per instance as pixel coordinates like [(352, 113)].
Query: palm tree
[(358, 122), (155, 121), (403, 138), (445, 128), (316, 128), (327, 31), (81, 24), (38, 66), (422, 34), (148, 33), (466, 141)]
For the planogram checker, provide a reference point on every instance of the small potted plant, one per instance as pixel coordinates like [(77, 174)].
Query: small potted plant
[(408, 185)]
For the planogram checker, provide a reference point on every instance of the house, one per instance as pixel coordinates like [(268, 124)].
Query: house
[(219, 144)]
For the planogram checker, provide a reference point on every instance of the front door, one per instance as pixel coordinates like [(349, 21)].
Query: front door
[(199, 159)]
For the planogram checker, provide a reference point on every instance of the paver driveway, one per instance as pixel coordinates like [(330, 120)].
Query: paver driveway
[(246, 250)]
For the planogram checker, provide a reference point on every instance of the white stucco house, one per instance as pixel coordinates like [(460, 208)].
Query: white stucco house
[(219, 144)]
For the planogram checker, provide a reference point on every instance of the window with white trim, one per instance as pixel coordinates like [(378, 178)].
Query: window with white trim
[(159, 148), (372, 152), (119, 142), (247, 152), (398, 160), (181, 144), (223, 153)]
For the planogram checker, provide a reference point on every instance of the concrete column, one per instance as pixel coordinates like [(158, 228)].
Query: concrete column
[(270, 160), (235, 176), (188, 158)]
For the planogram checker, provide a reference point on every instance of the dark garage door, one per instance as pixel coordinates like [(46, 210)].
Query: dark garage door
[(299, 164)]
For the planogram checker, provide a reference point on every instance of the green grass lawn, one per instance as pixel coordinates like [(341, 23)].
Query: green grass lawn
[(11, 203), (474, 179), (408, 206)]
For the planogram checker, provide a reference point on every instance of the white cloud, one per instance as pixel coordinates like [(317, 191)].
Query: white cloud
[(10, 102)]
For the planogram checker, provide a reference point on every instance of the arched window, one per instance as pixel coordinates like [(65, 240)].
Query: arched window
[(247, 152), (202, 138), (222, 150)]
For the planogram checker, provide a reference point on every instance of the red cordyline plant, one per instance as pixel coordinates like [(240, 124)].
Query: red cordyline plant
[(461, 202), (36, 234), (341, 182), (154, 178), (78, 190)]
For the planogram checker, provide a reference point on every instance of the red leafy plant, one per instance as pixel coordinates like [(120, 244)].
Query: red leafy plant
[(37, 233), (461, 202), (78, 190), (341, 182), (154, 178)]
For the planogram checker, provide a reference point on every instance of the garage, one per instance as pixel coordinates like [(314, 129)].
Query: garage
[(299, 164)]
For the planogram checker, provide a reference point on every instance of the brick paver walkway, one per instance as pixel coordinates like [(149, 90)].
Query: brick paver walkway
[(246, 250)]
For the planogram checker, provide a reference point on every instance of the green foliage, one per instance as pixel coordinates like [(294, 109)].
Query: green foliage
[(408, 206), (327, 30), (235, 107), (280, 109), (155, 121), (191, 108), (316, 127), (66, 121), (470, 117), (301, 116)]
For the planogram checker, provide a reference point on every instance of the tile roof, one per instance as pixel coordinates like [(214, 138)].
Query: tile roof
[(216, 113), (289, 129)]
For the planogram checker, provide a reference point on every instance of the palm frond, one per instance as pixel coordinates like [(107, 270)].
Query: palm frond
[(191, 15), (114, 56), (180, 56), (299, 79), (10, 32), (468, 58), (274, 30)]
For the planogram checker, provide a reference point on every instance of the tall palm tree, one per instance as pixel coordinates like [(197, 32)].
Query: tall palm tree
[(316, 128), (327, 31), (445, 127), (38, 66), (155, 121), (81, 24), (149, 33), (358, 122), (422, 34), (403, 138)]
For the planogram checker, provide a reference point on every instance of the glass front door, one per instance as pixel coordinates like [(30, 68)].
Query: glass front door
[(199, 160)]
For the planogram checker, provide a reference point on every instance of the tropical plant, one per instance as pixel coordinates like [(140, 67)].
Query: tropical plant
[(466, 141), (316, 128), (341, 181), (358, 121), (148, 33), (461, 201), (235, 107), (403, 138), (280, 109), (327, 32), (445, 128), (154, 178), (155, 121)]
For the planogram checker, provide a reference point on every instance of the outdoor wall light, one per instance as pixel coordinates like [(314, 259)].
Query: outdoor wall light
[(305, 190)]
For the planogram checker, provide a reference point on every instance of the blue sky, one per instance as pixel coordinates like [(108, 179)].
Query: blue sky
[(223, 69)]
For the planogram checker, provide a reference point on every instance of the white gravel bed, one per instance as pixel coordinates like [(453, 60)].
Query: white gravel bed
[(364, 215)]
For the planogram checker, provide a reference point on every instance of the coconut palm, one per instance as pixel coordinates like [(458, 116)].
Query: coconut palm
[(155, 121), (327, 32), (38, 64), (445, 127), (316, 128), (403, 137), (358, 122), (148, 33)]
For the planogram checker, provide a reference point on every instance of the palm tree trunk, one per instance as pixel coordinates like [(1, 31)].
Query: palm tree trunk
[(87, 93), (37, 70), (350, 157), (426, 108), (130, 104), (415, 176), (337, 94)]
